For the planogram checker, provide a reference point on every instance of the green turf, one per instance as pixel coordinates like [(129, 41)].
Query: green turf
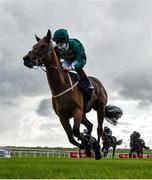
[(65, 168)]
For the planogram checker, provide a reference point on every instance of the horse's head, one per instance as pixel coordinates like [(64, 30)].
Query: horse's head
[(37, 56)]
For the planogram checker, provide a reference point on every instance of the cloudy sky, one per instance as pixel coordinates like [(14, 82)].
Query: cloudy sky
[(117, 36)]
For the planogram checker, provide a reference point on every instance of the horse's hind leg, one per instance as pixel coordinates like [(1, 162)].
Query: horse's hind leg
[(130, 153), (141, 153), (114, 148), (138, 154), (87, 124), (100, 117), (67, 127)]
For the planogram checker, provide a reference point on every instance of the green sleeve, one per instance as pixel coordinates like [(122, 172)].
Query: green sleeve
[(80, 55)]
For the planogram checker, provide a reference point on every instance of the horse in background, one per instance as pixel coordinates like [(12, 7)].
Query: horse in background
[(93, 147), (67, 97), (109, 142), (137, 147)]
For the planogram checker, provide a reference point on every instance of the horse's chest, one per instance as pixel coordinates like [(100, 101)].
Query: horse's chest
[(62, 109)]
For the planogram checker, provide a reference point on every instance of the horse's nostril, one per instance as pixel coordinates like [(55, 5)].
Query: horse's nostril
[(28, 62), (26, 58)]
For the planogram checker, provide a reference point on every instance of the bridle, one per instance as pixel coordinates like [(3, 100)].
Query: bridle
[(40, 63)]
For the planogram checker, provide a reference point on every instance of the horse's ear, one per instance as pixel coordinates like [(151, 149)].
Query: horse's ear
[(37, 38), (49, 35)]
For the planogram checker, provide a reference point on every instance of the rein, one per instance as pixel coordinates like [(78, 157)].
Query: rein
[(57, 68)]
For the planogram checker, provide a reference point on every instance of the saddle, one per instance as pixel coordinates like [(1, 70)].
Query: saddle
[(110, 138)]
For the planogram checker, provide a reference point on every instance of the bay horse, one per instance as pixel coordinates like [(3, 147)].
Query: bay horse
[(109, 142), (67, 97), (137, 146)]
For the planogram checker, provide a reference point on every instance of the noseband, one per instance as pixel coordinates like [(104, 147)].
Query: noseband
[(39, 61)]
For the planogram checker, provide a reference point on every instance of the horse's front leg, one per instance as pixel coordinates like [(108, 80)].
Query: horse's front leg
[(78, 115), (87, 124), (105, 151), (67, 127)]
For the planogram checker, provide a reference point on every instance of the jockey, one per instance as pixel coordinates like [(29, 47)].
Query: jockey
[(108, 132), (72, 54), (134, 136), (90, 138)]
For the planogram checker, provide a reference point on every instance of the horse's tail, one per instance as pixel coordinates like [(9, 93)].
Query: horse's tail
[(112, 114), (119, 142), (146, 147)]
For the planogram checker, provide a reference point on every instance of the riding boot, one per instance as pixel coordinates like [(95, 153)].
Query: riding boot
[(85, 83)]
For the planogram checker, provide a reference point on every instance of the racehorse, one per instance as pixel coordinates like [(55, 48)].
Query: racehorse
[(109, 142), (67, 97), (137, 146), (94, 149)]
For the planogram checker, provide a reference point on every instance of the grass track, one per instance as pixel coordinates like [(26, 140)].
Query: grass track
[(65, 168)]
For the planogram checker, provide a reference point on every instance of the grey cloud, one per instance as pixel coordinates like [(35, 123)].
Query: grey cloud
[(53, 123), (45, 107), (124, 123), (9, 118), (129, 10), (126, 131), (10, 103), (22, 82), (136, 85)]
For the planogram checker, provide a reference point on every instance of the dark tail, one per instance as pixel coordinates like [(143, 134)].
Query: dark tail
[(119, 142), (146, 147), (112, 114)]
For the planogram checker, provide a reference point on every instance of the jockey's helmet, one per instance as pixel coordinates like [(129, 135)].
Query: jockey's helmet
[(60, 35), (138, 135), (105, 127)]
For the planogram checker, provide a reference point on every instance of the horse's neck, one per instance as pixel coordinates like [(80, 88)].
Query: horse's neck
[(142, 142), (136, 142), (106, 139), (54, 75)]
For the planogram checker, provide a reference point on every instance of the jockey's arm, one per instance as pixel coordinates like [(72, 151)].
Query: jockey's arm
[(80, 55)]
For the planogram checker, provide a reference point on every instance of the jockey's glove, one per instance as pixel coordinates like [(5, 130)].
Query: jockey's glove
[(72, 67)]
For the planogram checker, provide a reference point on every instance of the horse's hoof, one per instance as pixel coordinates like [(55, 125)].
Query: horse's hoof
[(97, 157)]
